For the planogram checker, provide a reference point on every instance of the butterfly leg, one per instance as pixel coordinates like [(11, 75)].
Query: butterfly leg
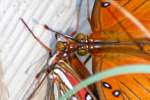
[(87, 59), (40, 83), (33, 34), (88, 11)]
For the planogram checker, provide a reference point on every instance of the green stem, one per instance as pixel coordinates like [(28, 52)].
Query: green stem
[(128, 69)]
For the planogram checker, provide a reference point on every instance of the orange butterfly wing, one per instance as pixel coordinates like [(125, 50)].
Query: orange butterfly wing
[(110, 24), (112, 20)]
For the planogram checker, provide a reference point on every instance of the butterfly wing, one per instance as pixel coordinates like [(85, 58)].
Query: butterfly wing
[(107, 18), (109, 23), (132, 86)]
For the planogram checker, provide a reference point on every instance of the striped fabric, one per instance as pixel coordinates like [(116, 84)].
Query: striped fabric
[(22, 56)]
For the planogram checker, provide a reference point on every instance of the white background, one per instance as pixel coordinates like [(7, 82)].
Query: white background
[(22, 56)]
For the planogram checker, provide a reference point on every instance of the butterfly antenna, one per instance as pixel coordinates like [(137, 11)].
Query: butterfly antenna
[(88, 10), (78, 20), (66, 36), (33, 34)]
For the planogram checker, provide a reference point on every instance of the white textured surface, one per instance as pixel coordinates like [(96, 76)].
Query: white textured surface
[(19, 49)]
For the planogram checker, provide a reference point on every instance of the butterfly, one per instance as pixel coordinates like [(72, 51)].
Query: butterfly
[(119, 37)]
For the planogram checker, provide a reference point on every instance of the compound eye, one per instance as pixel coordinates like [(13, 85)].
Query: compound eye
[(80, 37), (60, 46), (82, 52), (105, 4)]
